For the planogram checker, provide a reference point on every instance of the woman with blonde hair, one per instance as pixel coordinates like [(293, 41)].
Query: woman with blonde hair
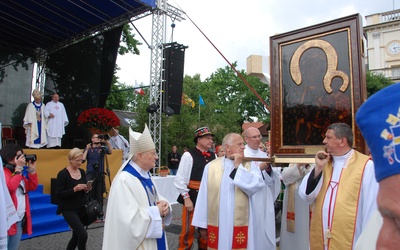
[(70, 190)]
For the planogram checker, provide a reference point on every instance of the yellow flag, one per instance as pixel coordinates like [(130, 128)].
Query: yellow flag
[(187, 101)]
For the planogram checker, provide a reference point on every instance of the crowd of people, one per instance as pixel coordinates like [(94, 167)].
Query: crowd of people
[(345, 200)]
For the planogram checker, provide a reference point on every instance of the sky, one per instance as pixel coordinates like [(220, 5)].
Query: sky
[(238, 29)]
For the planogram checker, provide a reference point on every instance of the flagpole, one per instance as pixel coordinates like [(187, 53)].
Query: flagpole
[(199, 108)]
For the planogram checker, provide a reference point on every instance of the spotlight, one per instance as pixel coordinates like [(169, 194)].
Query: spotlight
[(169, 111), (152, 108)]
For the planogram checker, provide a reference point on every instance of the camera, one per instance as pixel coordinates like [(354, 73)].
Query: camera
[(103, 137), (95, 166), (31, 158)]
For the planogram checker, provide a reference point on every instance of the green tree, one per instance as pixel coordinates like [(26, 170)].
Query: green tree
[(228, 103), (128, 42), (121, 96), (376, 82), (231, 94), (117, 96)]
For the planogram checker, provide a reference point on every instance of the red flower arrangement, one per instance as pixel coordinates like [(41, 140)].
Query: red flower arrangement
[(100, 119)]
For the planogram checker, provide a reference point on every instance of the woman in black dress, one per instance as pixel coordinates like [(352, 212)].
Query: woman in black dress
[(70, 189)]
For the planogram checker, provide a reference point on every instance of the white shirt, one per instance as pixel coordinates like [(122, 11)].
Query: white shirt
[(182, 177)]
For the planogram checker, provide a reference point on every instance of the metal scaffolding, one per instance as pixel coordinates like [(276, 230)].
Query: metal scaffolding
[(158, 39), (40, 79)]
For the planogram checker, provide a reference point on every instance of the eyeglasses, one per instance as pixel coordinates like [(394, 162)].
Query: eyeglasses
[(254, 137), (79, 160)]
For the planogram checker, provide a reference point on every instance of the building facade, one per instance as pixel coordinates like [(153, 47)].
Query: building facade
[(382, 31)]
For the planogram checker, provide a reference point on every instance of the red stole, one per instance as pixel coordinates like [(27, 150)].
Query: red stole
[(241, 216)]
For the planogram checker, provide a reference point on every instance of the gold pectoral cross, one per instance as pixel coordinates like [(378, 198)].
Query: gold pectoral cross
[(38, 115)]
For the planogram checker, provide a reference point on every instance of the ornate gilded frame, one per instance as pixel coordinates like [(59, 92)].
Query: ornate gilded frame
[(317, 78)]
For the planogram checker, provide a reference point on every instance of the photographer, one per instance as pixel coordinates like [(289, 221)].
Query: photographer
[(20, 177), (94, 153)]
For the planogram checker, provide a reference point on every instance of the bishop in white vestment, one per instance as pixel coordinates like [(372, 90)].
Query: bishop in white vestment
[(35, 122), (136, 213)]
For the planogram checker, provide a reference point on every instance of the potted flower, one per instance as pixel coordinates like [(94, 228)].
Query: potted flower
[(163, 171), (98, 120)]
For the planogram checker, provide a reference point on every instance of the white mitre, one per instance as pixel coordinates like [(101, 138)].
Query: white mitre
[(139, 142)]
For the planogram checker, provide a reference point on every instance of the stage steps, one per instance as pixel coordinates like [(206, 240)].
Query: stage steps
[(44, 217)]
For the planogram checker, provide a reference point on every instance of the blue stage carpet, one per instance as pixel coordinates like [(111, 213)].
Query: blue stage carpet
[(44, 217)]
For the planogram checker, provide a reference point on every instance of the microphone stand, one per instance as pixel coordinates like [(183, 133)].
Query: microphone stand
[(108, 170)]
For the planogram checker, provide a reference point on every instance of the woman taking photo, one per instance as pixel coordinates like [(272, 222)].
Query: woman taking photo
[(20, 179), (70, 190)]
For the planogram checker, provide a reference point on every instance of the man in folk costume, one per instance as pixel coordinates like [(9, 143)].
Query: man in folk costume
[(344, 190), (35, 122), (379, 122), (264, 199), (136, 213), (295, 212), (187, 181), (57, 120), (225, 210)]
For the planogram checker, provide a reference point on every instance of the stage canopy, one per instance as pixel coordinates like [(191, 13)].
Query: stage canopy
[(28, 25), (77, 41)]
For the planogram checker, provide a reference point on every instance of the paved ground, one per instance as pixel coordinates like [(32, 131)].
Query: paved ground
[(59, 241), (95, 231)]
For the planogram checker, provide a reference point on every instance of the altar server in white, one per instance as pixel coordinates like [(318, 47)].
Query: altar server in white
[(57, 120), (136, 213)]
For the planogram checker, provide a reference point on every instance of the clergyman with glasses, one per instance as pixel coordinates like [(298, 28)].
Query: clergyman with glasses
[(263, 200)]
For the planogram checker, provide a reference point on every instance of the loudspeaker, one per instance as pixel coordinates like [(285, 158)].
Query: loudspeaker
[(173, 65)]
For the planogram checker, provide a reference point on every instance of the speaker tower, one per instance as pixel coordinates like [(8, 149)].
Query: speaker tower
[(173, 65)]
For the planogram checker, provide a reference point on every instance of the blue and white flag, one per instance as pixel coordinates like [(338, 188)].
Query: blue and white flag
[(201, 101)]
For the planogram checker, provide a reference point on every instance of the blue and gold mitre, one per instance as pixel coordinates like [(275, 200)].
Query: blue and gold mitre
[(379, 121)]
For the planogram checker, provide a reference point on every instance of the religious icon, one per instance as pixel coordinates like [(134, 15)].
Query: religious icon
[(317, 79)]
